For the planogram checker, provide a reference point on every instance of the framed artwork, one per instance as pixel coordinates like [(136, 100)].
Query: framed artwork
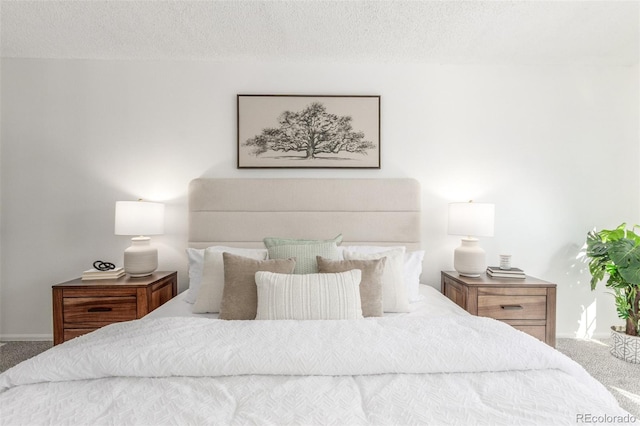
[(301, 131)]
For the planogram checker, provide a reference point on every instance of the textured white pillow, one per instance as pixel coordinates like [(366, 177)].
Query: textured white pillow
[(308, 296), (412, 267), (394, 291), (209, 291)]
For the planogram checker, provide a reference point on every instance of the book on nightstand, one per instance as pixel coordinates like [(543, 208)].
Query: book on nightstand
[(496, 272), (95, 274)]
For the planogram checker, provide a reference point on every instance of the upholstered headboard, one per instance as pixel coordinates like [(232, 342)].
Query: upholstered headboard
[(241, 212)]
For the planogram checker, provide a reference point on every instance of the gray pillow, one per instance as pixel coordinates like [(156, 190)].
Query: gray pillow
[(370, 284), (239, 295)]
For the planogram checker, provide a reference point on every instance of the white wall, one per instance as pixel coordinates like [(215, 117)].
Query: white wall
[(549, 145)]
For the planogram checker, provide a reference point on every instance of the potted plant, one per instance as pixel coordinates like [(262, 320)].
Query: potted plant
[(616, 254)]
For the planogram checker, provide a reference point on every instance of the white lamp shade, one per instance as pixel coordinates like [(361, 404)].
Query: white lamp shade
[(471, 219), (139, 218)]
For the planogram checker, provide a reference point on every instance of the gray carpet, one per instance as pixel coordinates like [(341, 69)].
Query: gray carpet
[(12, 353), (620, 377)]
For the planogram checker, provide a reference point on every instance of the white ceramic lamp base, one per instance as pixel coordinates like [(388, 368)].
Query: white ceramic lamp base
[(469, 260), (141, 258)]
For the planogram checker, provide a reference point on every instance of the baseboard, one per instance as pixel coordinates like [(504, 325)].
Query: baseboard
[(25, 337), (573, 336)]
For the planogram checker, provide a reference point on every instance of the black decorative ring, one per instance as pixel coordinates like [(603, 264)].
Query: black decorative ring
[(103, 266)]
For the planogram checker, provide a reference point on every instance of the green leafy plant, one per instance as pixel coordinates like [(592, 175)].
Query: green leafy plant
[(616, 253)]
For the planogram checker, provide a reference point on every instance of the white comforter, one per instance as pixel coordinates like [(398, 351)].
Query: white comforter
[(443, 370)]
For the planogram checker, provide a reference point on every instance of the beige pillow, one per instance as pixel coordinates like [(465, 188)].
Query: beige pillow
[(239, 296), (370, 284), (308, 296)]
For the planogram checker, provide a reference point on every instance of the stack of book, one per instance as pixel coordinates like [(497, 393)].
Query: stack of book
[(496, 272), (95, 274)]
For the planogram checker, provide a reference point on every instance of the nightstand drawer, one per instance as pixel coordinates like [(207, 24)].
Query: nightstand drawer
[(99, 311), (537, 331), (70, 333), (513, 307)]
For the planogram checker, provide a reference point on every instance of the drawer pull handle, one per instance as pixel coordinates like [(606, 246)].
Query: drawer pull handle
[(512, 307), (99, 309)]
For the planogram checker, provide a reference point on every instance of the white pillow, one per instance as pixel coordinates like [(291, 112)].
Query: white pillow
[(209, 290), (370, 249), (412, 267), (394, 291), (412, 271), (196, 261), (308, 296)]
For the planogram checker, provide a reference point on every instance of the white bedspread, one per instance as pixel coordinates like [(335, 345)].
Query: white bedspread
[(442, 370)]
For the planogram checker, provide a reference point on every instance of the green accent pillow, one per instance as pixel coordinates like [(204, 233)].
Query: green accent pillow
[(275, 241), (304, 251)]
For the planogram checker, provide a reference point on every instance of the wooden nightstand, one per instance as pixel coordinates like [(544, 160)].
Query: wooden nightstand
[(83, 306), (527, 304)]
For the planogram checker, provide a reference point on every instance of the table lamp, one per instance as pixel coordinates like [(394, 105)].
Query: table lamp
[(139, 218), (472, 220)]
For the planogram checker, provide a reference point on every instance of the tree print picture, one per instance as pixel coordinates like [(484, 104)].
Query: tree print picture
[(296, 131)]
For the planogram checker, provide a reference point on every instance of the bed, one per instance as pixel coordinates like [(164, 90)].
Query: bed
[(418, 359)]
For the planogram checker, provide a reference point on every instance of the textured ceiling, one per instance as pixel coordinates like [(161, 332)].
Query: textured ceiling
[(553, 32)]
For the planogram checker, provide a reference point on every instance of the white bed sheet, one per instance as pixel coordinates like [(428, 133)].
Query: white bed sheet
[(431, 303)]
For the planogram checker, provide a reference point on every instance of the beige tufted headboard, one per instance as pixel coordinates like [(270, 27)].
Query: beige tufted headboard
[(241, 212)]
